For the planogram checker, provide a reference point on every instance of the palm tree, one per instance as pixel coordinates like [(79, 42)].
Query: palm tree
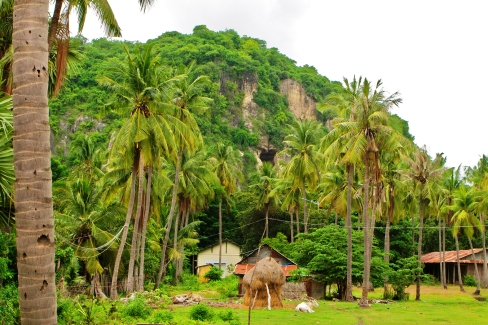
[(343, 105), (262, 184), (303, 167), (195, 190), (83, 222), (149, 131), (478, 175), (187, 99), (33, 192), (424, 172), (355, 139), (227, 168), (465, 205), (450, 182)]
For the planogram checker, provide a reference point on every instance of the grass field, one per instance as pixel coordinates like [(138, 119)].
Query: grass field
[(437, 306)]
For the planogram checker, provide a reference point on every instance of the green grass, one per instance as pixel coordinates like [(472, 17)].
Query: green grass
[(437, 306)]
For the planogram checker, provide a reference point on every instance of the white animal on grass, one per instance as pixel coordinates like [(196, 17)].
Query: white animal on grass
[(306, 307)]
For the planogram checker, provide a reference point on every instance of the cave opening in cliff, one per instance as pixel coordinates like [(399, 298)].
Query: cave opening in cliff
[(268, 155)]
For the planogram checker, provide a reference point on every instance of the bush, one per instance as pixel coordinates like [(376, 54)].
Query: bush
[(470, 281), (214, 274), (9, 304), (229, 316), (201, 313), (161, 316), (136, 308)]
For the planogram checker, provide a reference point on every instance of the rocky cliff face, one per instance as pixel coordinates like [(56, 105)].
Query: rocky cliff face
[(301, 105)]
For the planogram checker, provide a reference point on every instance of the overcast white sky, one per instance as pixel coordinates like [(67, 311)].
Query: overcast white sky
[(434, 52)]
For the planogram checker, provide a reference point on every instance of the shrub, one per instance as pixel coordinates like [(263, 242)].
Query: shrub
[(214, 274), (201, 313), (469, 281), (161, 316), (229, 316), (136, 308)]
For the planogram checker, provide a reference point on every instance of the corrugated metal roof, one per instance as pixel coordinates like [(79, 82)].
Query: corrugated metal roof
[(242, 269), (265, 245), (451, 257)]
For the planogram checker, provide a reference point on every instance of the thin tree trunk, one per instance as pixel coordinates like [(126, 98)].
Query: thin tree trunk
[(350, 175), (135, 231), (53, 30), (363, 303), (444, 248), (220, 234), (175, 242), (419, 247), (31, 143), (162, 265), (441, 274), (477, 275), (297, 216), (484, 281), (305, 216), (292, 238), (391, 208), (266, 209), (118, 258), (460, 277), (144, 227)]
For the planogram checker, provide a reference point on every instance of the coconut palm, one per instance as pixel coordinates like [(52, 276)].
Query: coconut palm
[(262, 184), (195, 190), (343, 105), (290, 199), (303, 167), (478, 176), (227, 168), (450, 181), (188, 100), (424, 172), (33, 192), (85, 220), (355, 138), (149, 131), (465, 205)]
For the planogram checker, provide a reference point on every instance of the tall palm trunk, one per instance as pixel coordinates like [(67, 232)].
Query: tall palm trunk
[(389, 218), (266, 211), (477, 275), (118, 258), (419, 247), (460, 276), (135, 232), (162, 265), (54, 24), (363, 303), (441, 270), (484, 281), (175, 243), (32, 166), (144, 227), (292, 238), (305, 215), (350, 175), (220, 233), (297, 216)]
